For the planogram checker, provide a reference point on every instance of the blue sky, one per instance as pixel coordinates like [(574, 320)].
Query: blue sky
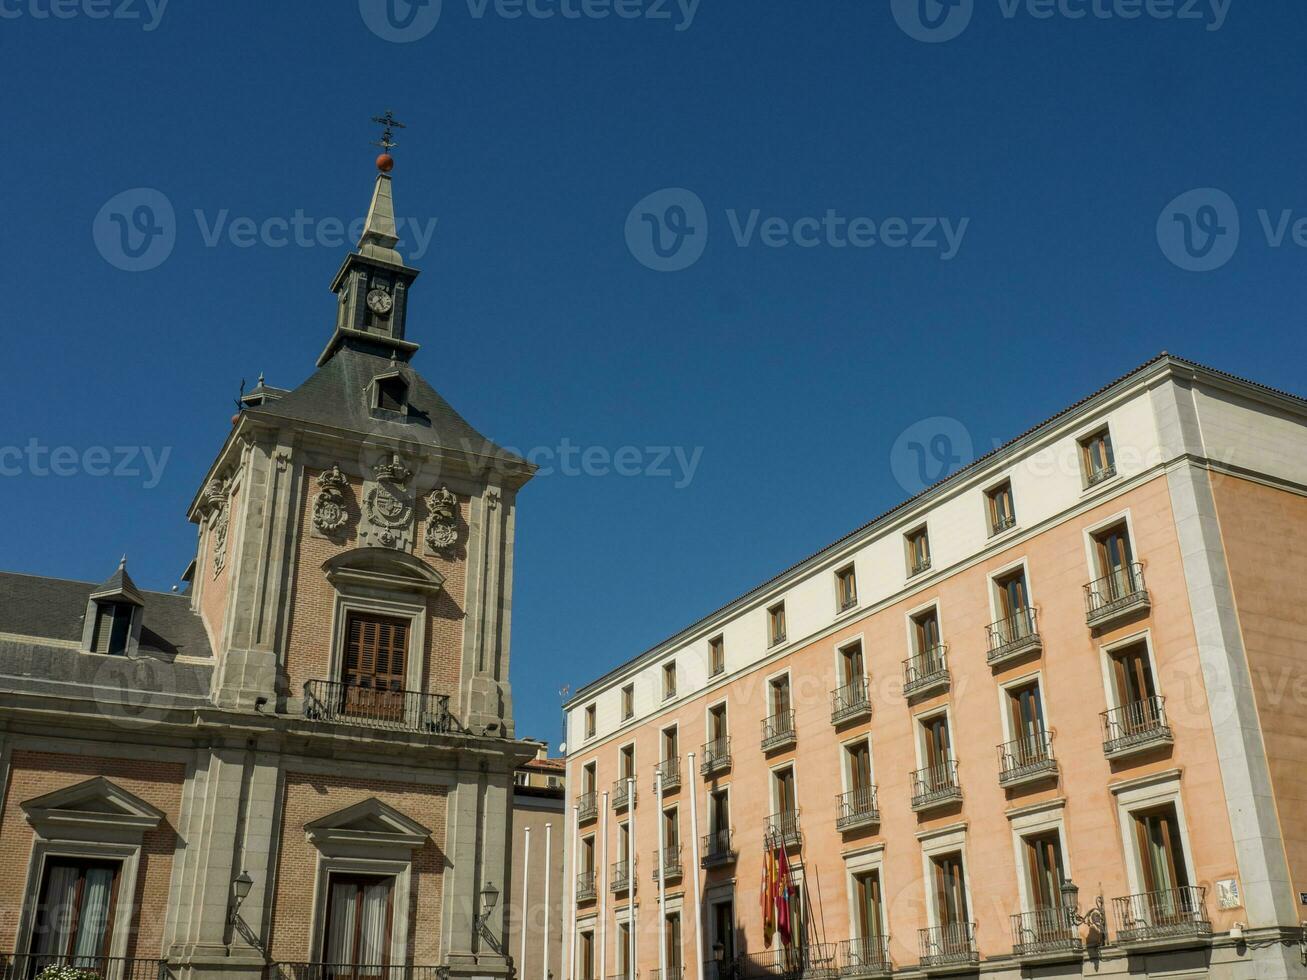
[(784, 365)]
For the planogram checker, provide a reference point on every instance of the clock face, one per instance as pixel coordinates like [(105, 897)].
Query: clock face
[(379, 301)]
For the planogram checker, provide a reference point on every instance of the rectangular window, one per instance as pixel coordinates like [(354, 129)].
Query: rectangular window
[(719, 816), (936, 743), (1002, 511), (717, 729), (723, 928), (1115, 559), (918, 548), (589, 776), (671, 828), (589, 721), (925, 631), (1161, 851), (80, 898), (780, 694), (358, 920), (866, 887), (671, 744), (1011, 593), (628, 702), (852, 666), (623, 842), (1045, 869), (113, 628), (624, 951), (1132, 675), (373, 671), (950, 891), (786, 801), (859, 766), (1096, 457), (673, 945), (587, 855), (669, 679), (846, 588), (716, 656), (586, 957), (626, 762), (776, 624)]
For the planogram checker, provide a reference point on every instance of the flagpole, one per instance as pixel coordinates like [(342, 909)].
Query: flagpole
[(549, 873), (630, 874), (662, 878), (569, 966), (526, 887), (603, 901), (698, 886)]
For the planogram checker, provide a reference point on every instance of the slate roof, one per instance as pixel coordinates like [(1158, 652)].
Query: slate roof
[(54, 609), (333, 396)]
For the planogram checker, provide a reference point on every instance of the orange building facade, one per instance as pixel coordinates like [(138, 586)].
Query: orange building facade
[(1043, 719)]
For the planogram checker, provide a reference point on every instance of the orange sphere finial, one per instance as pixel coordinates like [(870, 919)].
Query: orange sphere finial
[(385, 163)]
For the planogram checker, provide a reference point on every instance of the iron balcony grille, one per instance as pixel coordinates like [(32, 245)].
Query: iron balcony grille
[(671, 773), (853, 700), (23, 966), (624, 976), (784, 827), (1013, 636), (865, 957), (936, 785), (858, 808), (849, 601), (585, 887), (926, 670), (813, 961), (918, 566), (778, 731), (587, 806), (1175, 913), (717, 669), (619, 878), (1026, 758), (350, 971), (372, 707), (716, 756), (1003, 522), (671, 861), (623, 793), (674, 972), (1137, 725), (949, 945), (1096, 476), (1116, 594), (718, 849), (1043, 932)]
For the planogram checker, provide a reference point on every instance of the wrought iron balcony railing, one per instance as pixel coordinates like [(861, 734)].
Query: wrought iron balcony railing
[(918, 565), (623, 793), (865, 957), (350, 971), (1135, 726), (25, 966), (936, 785), (1026, 759), (778, 731), (718, 849), (620, 876), (373, 707), (1114, 595), (949, 945), (1176, 913), (1044, 932), (585, 887), (1013, 637), (784, 826), (587, 806), (674, 972), (851, 701), (1099, 475), (671, 861), (811, 961), (858, 808), (716, 756), (926, 671), (1001, 523), (671, 773)]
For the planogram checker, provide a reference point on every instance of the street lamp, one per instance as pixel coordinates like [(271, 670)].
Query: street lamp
[(240, 890), (489, 899), (1095, 918)]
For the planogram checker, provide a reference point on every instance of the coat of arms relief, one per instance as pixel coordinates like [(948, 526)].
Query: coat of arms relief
[(388, 507), (442, 519)]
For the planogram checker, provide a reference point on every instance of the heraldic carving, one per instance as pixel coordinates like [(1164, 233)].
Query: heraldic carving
[(388, 507), (215, 500), (442, 519), (329, 512)]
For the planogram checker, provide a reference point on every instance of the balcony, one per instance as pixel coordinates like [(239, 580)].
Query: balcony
[(936, 786), (864, 957), (620, 877), (587, 806), (858, 808), (716, 756), (784, 827), (369, 707), (674, 972), (813, 961), (585, 887), (1044, 934), (670, 770), (778, 731), (718, 849), (1162, 916), (1115, 596), (1013, 638), (22, 966), (671, 869), (926, 672), (1026, 760), (1100, 475), (623, 794), (850, 702), (349, 971), (1135, 727), (948, 946), (918, 566)]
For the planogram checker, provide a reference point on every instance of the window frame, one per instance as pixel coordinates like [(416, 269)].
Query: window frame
[(1083, 441), (1147, 793), (920, 532), (942, 843), (716, 650), (843, 604), (991, 494), (847, 748), (1107, 655), (776, 614), (591, 721), (1043, 819), (668, 674), (628, 701)]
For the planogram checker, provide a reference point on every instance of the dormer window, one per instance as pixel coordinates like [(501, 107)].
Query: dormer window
[(113, 628), (391, 395)]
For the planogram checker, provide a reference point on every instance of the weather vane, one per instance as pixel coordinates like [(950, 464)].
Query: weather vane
[(385, 162)]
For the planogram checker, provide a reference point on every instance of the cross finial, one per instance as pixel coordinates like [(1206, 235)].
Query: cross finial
[(387, 141)]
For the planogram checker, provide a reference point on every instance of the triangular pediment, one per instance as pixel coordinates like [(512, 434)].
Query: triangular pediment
[(370, 823), (96, 803)]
